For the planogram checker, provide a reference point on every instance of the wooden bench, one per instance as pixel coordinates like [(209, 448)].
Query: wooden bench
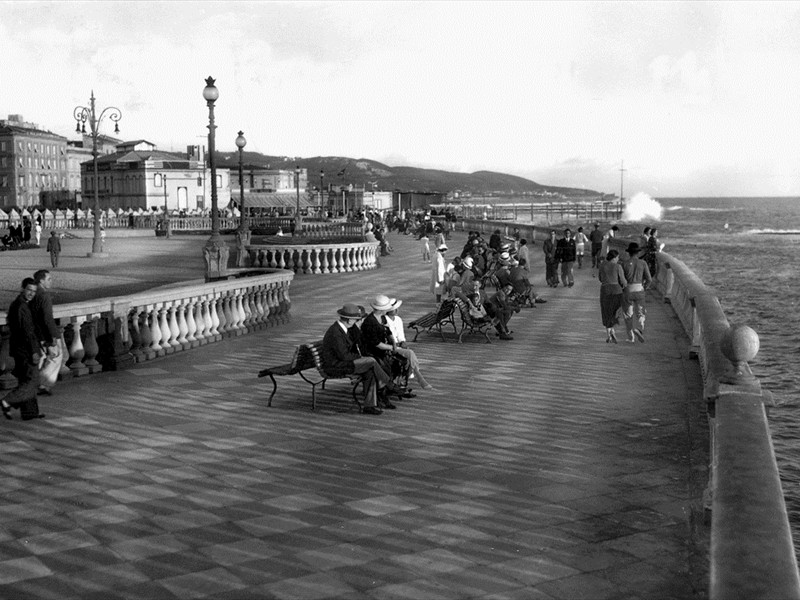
[(470, 325), (307, 357), (435, 320)]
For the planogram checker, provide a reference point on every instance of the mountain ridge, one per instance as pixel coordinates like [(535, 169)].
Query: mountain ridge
[(344, 171)]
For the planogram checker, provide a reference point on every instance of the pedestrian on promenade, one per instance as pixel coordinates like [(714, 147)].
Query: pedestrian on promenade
[(426, 247), (580, 246), (47, 331), (341, 355), (610, 235), (550, 260), (438, 273), (38, 233), (596, 239), (524, 255), (612, 283), (54, 248), (24, 349), (637, 274), (565, 253)]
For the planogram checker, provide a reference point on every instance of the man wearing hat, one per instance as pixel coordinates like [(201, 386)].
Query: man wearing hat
[(638, 277), (550, 260), (341, 356), (438, 273)]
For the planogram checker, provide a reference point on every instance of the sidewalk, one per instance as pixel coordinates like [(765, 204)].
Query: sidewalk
[(551, 466)]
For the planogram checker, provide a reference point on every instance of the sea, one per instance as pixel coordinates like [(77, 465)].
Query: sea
[(747, 251)]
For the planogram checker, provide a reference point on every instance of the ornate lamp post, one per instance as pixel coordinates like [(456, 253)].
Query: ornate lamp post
[(298, 220), (83, 114), (215, 250), (241, 143)]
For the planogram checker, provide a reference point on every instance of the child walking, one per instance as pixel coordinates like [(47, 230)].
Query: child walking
[(426, 248)]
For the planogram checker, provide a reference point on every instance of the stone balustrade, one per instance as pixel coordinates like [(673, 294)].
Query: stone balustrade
[(108, 333), (752, 554), (314, 258)]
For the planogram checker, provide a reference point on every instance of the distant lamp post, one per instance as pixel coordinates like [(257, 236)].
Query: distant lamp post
[(167, 228), (83, 114), (322, 187), (215, 251), (241, 143), (298, 221)]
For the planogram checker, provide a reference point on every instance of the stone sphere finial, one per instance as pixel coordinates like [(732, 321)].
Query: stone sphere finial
[(740, 345)]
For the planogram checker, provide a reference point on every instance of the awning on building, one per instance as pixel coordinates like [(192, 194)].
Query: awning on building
[(273, 200)]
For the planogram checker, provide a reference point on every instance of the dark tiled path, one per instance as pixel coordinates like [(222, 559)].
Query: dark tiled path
[(551, 466)]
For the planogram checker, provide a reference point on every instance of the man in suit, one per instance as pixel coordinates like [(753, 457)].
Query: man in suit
[(341, 355), (24, 348)]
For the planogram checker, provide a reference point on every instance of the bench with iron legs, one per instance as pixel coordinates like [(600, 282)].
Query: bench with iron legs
[(471, 325), (307, 357), (436, 320)]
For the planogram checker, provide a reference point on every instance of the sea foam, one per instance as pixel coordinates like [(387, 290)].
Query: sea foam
[(642, 207)]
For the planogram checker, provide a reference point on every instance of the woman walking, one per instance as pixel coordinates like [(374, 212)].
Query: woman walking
[(612, 279)]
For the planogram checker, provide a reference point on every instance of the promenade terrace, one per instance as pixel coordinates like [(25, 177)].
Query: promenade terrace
[(551, 466)]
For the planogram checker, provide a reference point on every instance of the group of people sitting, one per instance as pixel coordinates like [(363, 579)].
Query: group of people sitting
[(373, 346), (484, 265)]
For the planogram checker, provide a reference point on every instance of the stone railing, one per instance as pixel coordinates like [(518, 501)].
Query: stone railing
[(108, 333), (752, 556), (316, 258)]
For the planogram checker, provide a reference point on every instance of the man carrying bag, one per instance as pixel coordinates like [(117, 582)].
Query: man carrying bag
[(47, 332)]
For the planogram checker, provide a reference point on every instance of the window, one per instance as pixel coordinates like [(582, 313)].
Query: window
[(3, 161), (4, 181), (3, 147), (219, 181), (158, 180), (22, 181)]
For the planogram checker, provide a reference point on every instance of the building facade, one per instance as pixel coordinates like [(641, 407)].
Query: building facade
[(138, 175), (33, 163)]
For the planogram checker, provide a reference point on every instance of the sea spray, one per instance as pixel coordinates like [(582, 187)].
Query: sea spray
[(642, 207)]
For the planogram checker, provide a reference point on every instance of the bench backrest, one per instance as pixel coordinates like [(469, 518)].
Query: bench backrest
[(314, 353), (446, 308)]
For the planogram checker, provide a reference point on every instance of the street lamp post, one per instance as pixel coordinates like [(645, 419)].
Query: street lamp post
[(83, 114), (215, 251), (241, 143), (167, 228), (298, 220), (321, 187)]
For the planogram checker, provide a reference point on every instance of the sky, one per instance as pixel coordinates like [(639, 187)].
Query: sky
[(690, 98)]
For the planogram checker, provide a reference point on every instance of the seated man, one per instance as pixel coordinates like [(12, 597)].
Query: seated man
[(523, 289), (341, 356), (500, 307)]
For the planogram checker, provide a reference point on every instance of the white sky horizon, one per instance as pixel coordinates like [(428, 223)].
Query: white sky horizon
[(697, 98)]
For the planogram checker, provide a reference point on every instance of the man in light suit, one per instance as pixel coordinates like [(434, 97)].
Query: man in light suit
[(341, 356)]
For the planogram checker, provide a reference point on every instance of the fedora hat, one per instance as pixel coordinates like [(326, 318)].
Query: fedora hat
[(395, 303), (351, 311), (633, 248), (381, 302), (442, 247), (468, 262)]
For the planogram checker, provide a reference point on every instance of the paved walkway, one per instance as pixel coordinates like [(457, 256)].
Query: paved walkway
[(551, 466)]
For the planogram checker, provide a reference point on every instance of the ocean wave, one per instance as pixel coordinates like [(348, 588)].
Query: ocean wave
[(772, 232), (679, 207), (714, 209)]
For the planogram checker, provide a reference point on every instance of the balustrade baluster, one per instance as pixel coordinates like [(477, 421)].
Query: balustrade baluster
[(136, 335), (208, 330), (147, 334), (90, 347), (280, 257), (314, 252), (191, 324), (76, 350), (166, 333), (155, 333), (63, 371), (174, 330), (224, 313), (273, 258), (216, 335), (261, 306), (183, 327)]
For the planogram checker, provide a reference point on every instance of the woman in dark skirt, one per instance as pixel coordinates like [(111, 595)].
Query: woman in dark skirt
[(613, 282)]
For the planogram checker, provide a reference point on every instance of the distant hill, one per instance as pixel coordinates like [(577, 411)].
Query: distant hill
[(363, 171)]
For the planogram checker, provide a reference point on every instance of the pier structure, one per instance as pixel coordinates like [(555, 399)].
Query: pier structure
[(551, 466)]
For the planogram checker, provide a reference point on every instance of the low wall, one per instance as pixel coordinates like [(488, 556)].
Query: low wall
[(110, 333), (321, 258), (752, 554)]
